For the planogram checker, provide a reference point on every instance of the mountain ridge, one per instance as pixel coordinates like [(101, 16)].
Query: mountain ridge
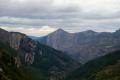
[(76, 43)]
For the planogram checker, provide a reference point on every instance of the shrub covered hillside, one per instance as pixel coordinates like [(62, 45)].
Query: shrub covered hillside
[(9, 67), (111, 72), (103, 68)]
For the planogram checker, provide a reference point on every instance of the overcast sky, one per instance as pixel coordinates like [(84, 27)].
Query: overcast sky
[(40, 17)]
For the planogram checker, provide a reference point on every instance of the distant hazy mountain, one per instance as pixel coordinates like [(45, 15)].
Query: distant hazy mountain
[(30, 56), (83, 46)]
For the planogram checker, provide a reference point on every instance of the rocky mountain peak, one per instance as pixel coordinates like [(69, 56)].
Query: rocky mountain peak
[(89, 32), (60, 31)]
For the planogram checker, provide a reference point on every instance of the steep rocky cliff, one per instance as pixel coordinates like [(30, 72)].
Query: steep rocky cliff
[(36, 55)]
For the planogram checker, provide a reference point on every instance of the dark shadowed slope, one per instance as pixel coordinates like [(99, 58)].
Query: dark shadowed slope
[(103, 68), (9, 63)]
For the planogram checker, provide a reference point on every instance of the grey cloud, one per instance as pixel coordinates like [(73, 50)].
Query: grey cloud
[(37, 13)]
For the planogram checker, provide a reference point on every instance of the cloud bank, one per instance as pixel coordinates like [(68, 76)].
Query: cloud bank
[(31, 31), (71, 15)]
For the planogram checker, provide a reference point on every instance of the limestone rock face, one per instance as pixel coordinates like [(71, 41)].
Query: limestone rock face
[(1, 70), (15, 40), (24, 45), (29, 58), (17, 61)]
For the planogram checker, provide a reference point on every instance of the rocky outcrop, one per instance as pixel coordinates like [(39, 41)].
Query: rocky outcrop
[(25, 46), (29, 58), (15, 40), (1, 70), (17, 61)]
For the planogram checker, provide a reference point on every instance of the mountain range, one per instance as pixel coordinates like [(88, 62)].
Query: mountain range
[(22, 58), (83, 46)]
